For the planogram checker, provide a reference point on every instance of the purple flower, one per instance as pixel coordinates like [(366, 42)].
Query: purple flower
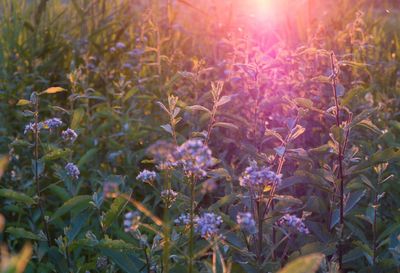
[(168, 197), (246, 222), (146, 176), (135, 52), (293, 222), (131, 221), (52, 123), (208, 225), (69, 135), (162, 152), (182, 220), (194, 157), (258, 177), (31, 127), (110, 190), (120, 45), (72, 170)]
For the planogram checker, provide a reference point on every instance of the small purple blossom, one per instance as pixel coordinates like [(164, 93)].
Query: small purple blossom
[(120, 45), (53, 123), (32, 126), (162, 152), (246, 222), (208, 225), (135, 52), (258, 177), (72, 170), (146, 176), (293, 222), (131, 221), (194, 157), (168, 197), (110, 190), (69, 135), (182, 220)]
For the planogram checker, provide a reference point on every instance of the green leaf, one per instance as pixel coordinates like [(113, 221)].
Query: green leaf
[(87, 157), (77, 117), (76, 204), (198, 108), (305, 264), (17, 196), (56, 153), (226, 125), (115, 209), (22, 102), (22, 233), (388, 155), (126, 261), (223, 100), (302, 102)]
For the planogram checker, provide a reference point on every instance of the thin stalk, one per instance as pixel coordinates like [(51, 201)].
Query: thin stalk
[(374, 246), (37, 182), (191, 235), (147, 260), (214, 258), (166, 227), (211, 124), (340, 161), (260, 231)]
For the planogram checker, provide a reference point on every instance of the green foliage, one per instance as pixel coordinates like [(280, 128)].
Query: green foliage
[(127, 76)]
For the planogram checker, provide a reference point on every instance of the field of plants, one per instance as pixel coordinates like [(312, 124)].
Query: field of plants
[(182, 136)]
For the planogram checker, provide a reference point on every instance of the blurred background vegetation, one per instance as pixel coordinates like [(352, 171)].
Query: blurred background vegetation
[(118, 58)]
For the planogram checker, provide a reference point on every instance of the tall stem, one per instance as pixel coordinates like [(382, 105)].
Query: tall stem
[(38, 191), (191, 235), (340, 161), (374, 230)]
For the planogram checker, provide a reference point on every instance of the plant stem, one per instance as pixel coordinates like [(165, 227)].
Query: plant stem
[(191, 235), (340, 161), (38, 191), (260, 230), (374, 230), (166, 227)]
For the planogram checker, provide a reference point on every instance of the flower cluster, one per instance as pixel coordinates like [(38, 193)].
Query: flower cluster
[(52, 123), (168, 197), (146, 176), (194, 157), (293, 222), (72, 170), (182, 220), (110, 190), (162, 152), (131, 221), (246, 222), (31, 127), (69, 135), (208, 225), (258, 177)]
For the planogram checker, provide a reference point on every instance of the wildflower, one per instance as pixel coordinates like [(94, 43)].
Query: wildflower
[(194, 157), (127, 66), (168, 197), (208, 225), (31, 127), (182, 220), (131, 221), (113, 50), (246, 222), (146, 176), (135, 52), (52, 123), (120, 45), (69, 135), (110, 190), (258, 177), (162, 152), (101, 262), (293, 222), (72, 170)]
